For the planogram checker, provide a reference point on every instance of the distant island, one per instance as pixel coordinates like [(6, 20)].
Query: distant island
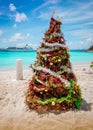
[(90, 49)]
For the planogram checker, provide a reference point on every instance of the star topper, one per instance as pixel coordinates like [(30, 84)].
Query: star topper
[(58, 18)]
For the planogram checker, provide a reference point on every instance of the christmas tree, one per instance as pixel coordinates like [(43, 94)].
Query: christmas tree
[(53, 85)]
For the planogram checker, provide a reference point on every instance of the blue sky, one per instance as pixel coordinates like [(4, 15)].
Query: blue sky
[(25, 22)]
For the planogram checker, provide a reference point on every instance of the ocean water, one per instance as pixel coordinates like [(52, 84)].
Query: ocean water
[(8, 59)]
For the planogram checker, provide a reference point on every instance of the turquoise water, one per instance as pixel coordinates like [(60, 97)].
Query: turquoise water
[(8, 59)]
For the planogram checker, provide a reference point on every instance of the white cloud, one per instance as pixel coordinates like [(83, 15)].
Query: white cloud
[(83, 33), (33, 45), (81, 42), (12, 7), (80, 12), (16, 37), (27, 36), (4, 40), (44, 15), (77, 12), (14, 26), (1, 32), (89, 40), (46, 3), (19, 17)]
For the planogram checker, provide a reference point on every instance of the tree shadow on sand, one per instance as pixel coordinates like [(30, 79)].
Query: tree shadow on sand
[(86, 106)]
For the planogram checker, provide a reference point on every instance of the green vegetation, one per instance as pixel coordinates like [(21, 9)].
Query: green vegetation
[(69, 98)]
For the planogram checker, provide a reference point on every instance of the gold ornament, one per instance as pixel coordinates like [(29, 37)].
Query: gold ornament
[(53, 103), (41, 93), (51, 63), (78, 87), (56, 48), (59, 60), (46, 90)]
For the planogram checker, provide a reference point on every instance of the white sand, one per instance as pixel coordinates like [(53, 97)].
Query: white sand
[(14, 115)]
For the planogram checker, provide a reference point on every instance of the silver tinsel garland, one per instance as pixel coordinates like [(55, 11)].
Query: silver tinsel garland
[(66, 82)]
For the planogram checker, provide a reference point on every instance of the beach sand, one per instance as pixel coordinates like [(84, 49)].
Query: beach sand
[(14, 114)]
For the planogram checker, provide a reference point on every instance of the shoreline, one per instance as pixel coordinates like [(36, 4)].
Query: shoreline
[(12, 68), (27, 67)]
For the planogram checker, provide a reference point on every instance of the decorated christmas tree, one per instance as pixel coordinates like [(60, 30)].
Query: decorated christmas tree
[(53, 85)]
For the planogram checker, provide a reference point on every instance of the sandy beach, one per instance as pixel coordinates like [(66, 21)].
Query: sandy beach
[(14, 115)]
